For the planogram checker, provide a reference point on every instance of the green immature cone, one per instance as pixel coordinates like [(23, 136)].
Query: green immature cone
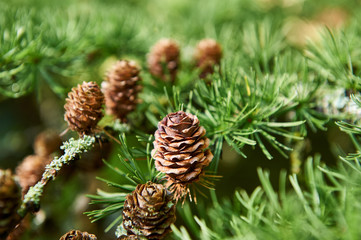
[(10, 197), (78, 235), (83, 108), (163, 59), (149, 211), (121, 89), (208, 54)]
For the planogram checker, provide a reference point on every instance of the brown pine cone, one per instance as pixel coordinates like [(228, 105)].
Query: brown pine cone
[(180, 148), (9, 202), (163, 59), (149, 211), (83, 108), (131, 237), (46, 143), (30, 170), (78, 235), (121, 89), (208, 54)]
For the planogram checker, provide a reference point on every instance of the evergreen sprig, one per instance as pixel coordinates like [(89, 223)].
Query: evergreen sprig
[(336, 57), (135, 167), (262, 42), (318, 208), (59, 46), (243, 109)]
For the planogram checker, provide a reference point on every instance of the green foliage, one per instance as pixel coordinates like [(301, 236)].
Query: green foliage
[(318, 208), (266, 94), (239, 108), (262, 43), (336, 57), (320, 205), (354, 132), (130, 173), (55, 45)]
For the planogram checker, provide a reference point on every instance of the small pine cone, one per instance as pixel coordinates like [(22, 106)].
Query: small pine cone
[(179, 148), (149, 211), (9, 202), (121, 89), (30, 170), (46, 143), (78, 235), (163, 59), (83, 108), (208, 54)]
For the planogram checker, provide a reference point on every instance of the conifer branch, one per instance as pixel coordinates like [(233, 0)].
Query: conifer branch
[(72, 150)]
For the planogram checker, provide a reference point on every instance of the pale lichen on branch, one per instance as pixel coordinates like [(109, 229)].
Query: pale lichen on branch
[(71, 148)]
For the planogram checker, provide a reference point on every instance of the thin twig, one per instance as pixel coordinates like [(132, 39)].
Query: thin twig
[(72, 149)]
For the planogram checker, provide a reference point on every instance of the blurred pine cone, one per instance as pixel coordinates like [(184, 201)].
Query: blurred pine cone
[(121, 89), (179, 148), (93, 159), (83, 108), (9, 202), (30, 171), (149, 211), (163, 59), (46, 143), (78, 235), (208, 54)]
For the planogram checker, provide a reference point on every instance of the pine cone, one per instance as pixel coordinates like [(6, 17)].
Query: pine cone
[(83, 108), (121, 89), (163, 59), (30, 170), (131, 237), (208, 54), (179, 148), (46, 143), (78, 235), (9, 202), (149, 211)]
